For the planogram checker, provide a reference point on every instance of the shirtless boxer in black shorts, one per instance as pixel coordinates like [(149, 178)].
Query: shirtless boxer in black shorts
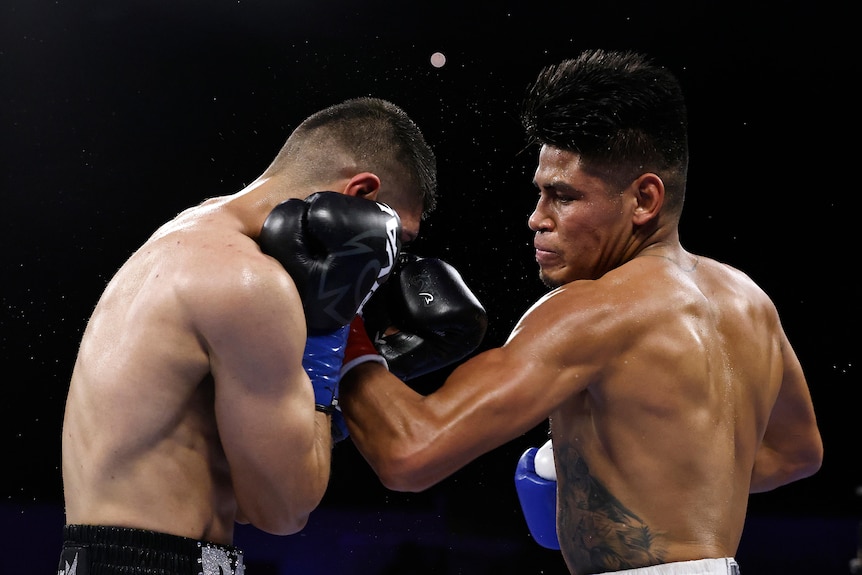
[(205, 388)]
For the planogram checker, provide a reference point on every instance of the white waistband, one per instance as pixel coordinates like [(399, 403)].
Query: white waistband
[(723, 566)]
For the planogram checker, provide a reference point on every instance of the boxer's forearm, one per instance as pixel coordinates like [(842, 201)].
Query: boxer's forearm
[(387, 428)]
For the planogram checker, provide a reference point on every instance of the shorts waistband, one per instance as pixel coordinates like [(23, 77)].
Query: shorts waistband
[(108, 550), (722, 566)]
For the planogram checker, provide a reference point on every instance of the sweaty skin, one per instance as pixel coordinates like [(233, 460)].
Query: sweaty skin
[(182, 348), (189, 408), (671, 388)]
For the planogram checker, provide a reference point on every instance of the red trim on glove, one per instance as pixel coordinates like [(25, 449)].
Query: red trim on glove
[(359, 348)]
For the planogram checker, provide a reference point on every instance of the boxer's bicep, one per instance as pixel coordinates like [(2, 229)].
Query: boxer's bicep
[(264, 405)]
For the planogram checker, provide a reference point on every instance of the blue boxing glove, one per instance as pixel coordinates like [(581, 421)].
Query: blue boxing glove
[(322, 361), (536, 484)]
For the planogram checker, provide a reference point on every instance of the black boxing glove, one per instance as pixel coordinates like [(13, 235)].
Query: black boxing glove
[(337, 248), (439, 320)]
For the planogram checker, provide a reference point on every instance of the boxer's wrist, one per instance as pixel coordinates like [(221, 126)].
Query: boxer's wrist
[(359, 348), (322, 360)]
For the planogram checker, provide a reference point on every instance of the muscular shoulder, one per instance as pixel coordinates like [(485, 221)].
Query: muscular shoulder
[(592, 322), (243, 286), (652, 287), (568, 335), (735, 293), (590, 309), (242, 305), (220, 276)]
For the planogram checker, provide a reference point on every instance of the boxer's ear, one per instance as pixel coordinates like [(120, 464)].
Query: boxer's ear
[(363, 185), (649, 194)]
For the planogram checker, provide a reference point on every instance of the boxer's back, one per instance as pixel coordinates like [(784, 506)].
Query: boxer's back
[(657, 452), (152, 460)]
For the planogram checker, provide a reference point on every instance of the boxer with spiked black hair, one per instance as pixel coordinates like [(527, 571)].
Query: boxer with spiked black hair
[(671, 387)]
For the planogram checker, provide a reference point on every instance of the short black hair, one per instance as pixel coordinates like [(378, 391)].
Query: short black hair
[(622, 113), (378, 132)]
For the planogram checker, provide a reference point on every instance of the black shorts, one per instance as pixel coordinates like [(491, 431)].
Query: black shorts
[(105, 550)]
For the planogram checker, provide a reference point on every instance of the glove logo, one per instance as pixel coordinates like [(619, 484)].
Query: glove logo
[(372, 274), (424, 285), (393, 247)]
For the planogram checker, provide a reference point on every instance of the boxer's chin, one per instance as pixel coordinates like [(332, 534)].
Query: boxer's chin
[(549, 280)]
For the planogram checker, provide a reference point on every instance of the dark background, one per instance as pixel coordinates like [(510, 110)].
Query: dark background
[(115, 116)]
